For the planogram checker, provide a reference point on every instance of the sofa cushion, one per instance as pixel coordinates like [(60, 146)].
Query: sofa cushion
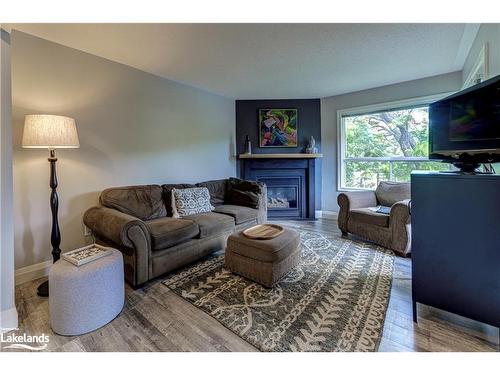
[(217, 190), (369, 216), (167, 194), (143, 201), (239, 213), (167, 232), (212, 223), (389, 192)]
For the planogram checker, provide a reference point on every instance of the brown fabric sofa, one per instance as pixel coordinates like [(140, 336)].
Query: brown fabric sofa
[(138, 221), (357, 215)]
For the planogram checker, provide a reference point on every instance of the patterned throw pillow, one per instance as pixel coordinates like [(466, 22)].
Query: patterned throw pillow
[(190, 201)]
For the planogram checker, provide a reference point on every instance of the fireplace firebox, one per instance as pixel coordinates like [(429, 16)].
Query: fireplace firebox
[(290, 184)]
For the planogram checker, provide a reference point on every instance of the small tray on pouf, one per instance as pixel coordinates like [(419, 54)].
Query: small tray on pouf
[(263, 231)]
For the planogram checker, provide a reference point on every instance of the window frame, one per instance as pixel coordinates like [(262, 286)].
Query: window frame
[(373, 108)]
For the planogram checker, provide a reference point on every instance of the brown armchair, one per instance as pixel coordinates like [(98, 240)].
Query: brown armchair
[(358, 215)]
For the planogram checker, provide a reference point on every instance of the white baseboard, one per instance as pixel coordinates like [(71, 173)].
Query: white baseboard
[(323, 214), (32, 272), (9, 320)]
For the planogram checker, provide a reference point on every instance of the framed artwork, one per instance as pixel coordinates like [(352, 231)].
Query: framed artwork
[(278, 128)]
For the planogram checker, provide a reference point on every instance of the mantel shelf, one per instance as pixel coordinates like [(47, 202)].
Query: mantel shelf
[(280, 156)]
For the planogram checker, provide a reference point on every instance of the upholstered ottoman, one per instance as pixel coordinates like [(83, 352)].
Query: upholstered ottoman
[(263, 261), (84, 298)]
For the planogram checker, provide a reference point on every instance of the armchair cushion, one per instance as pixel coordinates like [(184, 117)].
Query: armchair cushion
[(167, 232), (369, 216), (389, 192), (143, 202)]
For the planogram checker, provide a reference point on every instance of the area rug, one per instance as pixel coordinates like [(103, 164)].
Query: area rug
[(335, 300)]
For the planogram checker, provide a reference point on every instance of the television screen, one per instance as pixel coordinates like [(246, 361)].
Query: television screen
[(466, 122)]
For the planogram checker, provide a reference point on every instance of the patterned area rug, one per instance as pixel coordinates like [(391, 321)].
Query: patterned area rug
[(335, 300)]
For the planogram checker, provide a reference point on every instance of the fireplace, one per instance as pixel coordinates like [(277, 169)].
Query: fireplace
[(285, 193), (282, 197), (290, 184)]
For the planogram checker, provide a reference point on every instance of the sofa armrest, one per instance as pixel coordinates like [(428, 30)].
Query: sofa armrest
[(128, 233), (400, 212), (113, 225), (249, 194), (262, 207), (353, 199), (261, 190), (400, 221)]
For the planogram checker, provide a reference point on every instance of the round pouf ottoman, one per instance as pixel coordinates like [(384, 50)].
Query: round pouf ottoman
[(84, 298)]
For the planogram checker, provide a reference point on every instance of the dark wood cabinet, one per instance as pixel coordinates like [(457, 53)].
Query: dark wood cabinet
[(456, 244)]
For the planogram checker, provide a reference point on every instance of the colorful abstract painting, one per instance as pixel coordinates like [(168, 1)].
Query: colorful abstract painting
[(278, 127)]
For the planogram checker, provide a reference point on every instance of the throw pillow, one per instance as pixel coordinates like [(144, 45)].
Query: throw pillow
[(244, 185), (243, 193), (243, 198), (190, 201), (167, 194)]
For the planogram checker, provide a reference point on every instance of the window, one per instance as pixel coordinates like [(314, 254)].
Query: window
[(384, 142)]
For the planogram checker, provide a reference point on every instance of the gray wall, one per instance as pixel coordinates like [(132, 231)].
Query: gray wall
[(134, 128), (8, 313), (330, 106), (488, 33)]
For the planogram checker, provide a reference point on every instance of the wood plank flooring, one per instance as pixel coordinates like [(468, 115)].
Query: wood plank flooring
[(155, 319)]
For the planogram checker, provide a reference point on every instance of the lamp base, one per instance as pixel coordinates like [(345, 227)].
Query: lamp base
[(43, 289)]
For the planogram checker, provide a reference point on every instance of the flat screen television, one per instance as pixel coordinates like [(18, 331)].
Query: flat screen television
[(464, 128)]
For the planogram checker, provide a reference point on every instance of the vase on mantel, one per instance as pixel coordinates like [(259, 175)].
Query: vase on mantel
[(248, 145), (311, 147)]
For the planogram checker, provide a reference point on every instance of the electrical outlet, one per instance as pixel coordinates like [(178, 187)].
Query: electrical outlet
[(86, 231)]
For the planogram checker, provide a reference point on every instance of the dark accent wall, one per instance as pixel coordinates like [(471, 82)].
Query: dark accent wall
[(247, 121), (309, 123)]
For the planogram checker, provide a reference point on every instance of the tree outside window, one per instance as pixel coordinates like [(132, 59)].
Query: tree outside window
[(385, 145)]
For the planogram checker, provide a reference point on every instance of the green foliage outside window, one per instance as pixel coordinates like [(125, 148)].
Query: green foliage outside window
[(391, 134)]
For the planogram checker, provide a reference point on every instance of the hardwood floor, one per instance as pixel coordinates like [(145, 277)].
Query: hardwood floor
[(155, 319)]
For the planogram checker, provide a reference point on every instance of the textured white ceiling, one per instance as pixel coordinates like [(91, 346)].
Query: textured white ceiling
[(246, 61)]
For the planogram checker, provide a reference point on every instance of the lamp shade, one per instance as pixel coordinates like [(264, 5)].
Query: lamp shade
[(49, 131)]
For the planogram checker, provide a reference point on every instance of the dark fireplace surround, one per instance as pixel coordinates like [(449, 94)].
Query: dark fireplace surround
[(290, 185)]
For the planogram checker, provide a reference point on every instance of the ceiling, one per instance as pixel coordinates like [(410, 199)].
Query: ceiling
[(266, 61)]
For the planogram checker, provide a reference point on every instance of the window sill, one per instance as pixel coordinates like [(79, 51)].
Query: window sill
[(341, 190)]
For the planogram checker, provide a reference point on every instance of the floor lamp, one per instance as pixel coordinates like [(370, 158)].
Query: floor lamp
[(51, 132)]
